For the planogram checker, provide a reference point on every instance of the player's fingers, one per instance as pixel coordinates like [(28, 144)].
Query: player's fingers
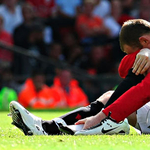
[(137, 58), (85, 126), (88, 124), (145, 64), (82, 121), (136, 65), (145, 68), (140, 67)]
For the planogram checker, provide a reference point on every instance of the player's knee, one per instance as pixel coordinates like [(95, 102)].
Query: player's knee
[(105, 97), (109, 93)]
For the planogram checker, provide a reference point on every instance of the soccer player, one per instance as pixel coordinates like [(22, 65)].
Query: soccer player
[(134, 35), (34, 125)]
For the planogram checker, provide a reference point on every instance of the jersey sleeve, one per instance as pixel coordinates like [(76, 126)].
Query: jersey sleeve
[(130, 101), (126, 64)]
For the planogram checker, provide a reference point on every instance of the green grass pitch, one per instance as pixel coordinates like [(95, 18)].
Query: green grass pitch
[(13, 139)]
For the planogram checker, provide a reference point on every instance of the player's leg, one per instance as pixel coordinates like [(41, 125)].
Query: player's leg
[(71, 117), (132, 119), (30, 124), (83, 112)]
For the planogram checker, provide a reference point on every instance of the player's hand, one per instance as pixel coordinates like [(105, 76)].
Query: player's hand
[(88, 122), (142, 62)]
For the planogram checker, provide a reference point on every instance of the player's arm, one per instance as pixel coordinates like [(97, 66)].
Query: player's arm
[(130, 101), (142, 61), (130, 80)]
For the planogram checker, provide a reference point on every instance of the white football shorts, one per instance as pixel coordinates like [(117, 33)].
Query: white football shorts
[(143, 118)]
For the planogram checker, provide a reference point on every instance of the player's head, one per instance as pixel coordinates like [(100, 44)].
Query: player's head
[(135, 34)]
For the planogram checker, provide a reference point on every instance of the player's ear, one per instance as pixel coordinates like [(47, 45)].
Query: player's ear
[(144, 40)]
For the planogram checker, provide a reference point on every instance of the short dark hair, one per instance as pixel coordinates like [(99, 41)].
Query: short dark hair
[(132, 30)]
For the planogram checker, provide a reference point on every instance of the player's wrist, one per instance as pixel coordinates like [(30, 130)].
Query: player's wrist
[(145, 52)]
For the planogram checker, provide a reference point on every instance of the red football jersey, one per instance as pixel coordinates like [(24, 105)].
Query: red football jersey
[(126, 64)]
